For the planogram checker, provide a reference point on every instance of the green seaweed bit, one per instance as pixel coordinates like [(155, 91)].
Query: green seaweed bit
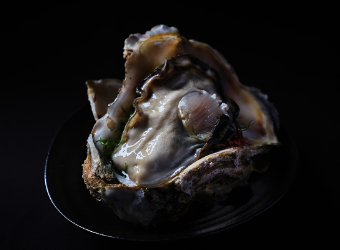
[(109, 141), (125, 111), (241, 126), (122, 124), (131, 111), (106, 155)]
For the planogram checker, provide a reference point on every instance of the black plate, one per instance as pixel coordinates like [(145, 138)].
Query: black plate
[(70, 197)]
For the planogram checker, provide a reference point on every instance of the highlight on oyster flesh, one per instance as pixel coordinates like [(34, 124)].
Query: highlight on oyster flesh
[(182, 126)]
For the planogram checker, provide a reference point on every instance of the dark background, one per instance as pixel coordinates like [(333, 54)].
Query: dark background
[(48, 52)]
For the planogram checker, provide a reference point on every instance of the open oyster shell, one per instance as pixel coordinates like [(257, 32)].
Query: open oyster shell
[(166, 154)]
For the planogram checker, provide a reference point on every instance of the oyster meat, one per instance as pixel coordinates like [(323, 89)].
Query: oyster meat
[(171, 133)]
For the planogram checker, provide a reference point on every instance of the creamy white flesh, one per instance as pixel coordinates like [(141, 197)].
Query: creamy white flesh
[(164, 136)]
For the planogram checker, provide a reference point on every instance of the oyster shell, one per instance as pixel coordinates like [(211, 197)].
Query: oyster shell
[(177, 142), (101, 93)]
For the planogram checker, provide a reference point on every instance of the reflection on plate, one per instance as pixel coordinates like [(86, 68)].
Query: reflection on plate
[(70, 197)]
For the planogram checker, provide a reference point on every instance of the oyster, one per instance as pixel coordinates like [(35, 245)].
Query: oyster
[(164, 135), (171, 132)]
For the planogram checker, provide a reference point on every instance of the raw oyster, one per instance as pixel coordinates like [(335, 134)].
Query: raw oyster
[(162, 137), (182, 137)]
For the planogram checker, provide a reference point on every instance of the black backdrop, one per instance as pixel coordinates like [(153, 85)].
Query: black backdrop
[(290, 52)]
